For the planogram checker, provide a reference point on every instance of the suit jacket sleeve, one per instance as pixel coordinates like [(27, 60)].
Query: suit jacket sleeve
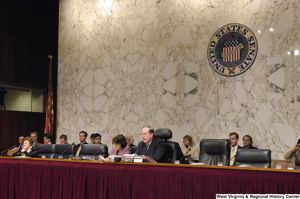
[(179, 152), (138, 150), (18, 153), (159, 150)]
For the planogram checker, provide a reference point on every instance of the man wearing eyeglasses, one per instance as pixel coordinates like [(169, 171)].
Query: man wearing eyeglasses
[(150, 145)]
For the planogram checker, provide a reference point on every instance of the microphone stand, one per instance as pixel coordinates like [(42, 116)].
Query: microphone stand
[(7, 149), (66, 149), (182, 159)]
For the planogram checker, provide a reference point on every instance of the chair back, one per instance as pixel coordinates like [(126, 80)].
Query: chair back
[(171, 150), (163, 133), (133, 149), (297, 161), (66, 150), (93, 150), (47, 150), (213, 151), (253, 157)]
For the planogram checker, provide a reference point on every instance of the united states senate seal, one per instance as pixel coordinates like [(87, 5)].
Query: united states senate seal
[(232, 49)]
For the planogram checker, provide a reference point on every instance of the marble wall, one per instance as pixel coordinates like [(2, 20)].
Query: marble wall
[(124, 64)]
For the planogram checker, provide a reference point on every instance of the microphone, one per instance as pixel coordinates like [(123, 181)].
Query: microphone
[(98, 151), (67, 148), (7, 149), (182, 159), (43, 149), (138, 149)]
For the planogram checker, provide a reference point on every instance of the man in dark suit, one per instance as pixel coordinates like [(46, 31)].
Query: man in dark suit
[(151, 146), (21, 140), (247, 141), (82, 138), (234, 139), (34, 136)]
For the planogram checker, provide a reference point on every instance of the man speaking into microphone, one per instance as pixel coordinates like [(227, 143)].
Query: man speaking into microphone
[(151, 146)]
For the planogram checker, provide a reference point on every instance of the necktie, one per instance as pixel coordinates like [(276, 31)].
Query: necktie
[(78, 151), (232, 154), (147, 147)]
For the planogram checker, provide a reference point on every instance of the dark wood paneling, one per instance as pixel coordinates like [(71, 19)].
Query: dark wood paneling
[(36, 122), (9, 57), (28, 34), (22, 58), (15, 123)]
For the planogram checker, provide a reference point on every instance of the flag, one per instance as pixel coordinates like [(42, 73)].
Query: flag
[(231, 49), (49, 111)]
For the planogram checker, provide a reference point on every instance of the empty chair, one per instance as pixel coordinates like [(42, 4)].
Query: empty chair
[(65, 150), (213, 151), (47, 150), (93, 150), (173, 151), (253, 157)]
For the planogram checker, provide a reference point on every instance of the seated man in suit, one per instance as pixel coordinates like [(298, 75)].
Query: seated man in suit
[(82, 138), (21, 140), (234, 139), (150, 145), (247, 141), (63, 139), (97, 138), (92, 137), (34, 136)]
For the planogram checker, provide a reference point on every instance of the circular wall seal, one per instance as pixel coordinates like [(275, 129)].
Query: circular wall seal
[(232, 49)]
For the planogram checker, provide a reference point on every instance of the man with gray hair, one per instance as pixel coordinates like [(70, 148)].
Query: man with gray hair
[(151, 146)]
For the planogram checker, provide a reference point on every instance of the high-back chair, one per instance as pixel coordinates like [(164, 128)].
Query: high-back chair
[(93, 150), (253, 157), (46, 150), (65, 150), (172, 152), (213, 151)]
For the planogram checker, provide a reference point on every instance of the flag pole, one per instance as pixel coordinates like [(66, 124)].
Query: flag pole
[(49, 111)]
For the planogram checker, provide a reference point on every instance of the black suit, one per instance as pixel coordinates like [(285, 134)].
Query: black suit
[(156, 149), (250, 147), (77, 147)]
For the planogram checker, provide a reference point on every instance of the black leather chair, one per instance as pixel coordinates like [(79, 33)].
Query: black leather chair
[(48, 150), (93, 150), (133, 149), (213, 151), (297, 161), (253, 157), (66, 150), (173, 151)]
